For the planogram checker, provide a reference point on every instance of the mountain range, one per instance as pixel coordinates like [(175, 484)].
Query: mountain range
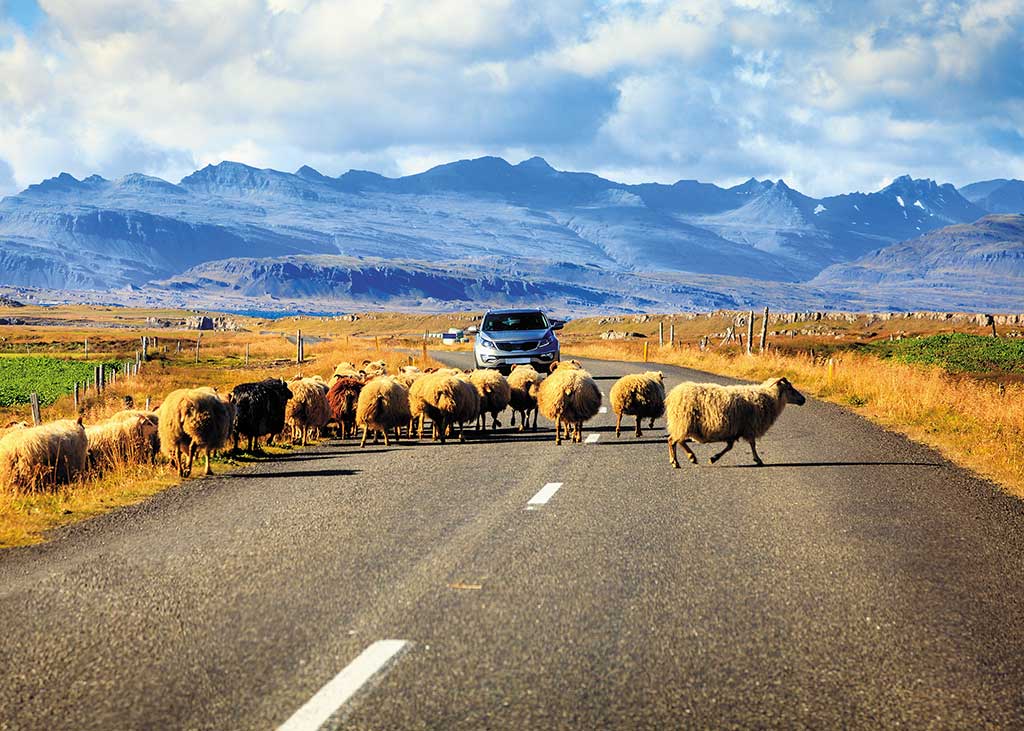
[(484, 231)]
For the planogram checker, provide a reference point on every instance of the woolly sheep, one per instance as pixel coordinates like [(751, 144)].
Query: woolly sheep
[(192, 419), (375, 368), (259, 410), (347, 369), (494, 394), (127, 437), (467, 400), (35, 457), (437, 396), (523, 382), (342, 399), (639, 394), (569, 397), (308, 408), (707, 412), (383, 404)]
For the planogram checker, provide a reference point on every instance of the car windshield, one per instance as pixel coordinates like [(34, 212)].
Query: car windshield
[(515, 321)]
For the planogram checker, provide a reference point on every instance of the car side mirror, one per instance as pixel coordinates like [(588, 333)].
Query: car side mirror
[(557, 325), (472, 330)]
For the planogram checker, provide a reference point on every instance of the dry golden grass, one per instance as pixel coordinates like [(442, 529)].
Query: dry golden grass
[(24, 518), (977, 424)]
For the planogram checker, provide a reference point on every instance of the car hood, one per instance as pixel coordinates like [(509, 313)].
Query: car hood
[(515, 336)]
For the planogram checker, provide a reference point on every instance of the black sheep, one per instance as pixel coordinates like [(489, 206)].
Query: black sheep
[(259, 409)]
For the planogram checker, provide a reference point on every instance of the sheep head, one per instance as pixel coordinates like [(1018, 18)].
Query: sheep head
[(787, 393)]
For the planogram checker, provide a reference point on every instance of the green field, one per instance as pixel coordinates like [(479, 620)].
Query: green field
[(51, 378), (957, 353)]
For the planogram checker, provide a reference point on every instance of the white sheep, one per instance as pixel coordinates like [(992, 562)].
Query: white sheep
[(638, 394), (568, 397), (707, 412), (191, 419), (35, 457), (126, 437), (383, 404), (308, 408), (494, 394), (523, 383)]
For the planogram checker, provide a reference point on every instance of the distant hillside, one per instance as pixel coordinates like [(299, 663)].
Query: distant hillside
[(996, 196)]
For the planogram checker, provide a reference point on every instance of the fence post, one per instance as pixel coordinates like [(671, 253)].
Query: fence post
[(764, 331), (645, 351), (661, 334), (376, 342), (75, 395), (750, 332), (103, 378), (178, 347), (424, 353), (34, 400), (199, 337), (145, 347), (298, 346), (87, 347), (149, 401), (247, 353), (672, 334)]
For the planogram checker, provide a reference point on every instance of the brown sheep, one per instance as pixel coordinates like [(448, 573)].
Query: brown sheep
[(467, 404), (383, 404), (707, 412), (494, 394), (569, 397), (524, 382), (34, 457), (191, 419), (641, 395), (127, 437), (343, 397), (307, 409)]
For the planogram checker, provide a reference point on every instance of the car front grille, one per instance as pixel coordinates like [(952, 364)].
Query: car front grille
[(517, 347)]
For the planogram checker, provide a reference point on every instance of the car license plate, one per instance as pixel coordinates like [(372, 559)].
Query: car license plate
[(517, 361)]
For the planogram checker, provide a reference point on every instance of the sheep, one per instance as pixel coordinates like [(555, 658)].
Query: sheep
[(494, 394), (383, 404), (127, 437), (641, 395), (32, 457), (192, 419), (524, 381), (707, 412), (375, 368), (467, 400), (440, 397), (342, 399), (308, 407), (569, 396), (259, 410)]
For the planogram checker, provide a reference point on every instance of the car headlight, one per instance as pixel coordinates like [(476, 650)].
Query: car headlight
[(546, 341), (489, 344)]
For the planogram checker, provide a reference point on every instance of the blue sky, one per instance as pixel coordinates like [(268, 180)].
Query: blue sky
[(832, 96)]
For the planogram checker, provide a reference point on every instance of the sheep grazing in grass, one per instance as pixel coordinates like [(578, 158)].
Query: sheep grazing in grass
[(342, 399), (524, 382), (494, 394), (259, 410), (383, 404), (308, 408), (193, 419), (641, 395), (568, 397), (37, 457), (128, 437), (707, 412)]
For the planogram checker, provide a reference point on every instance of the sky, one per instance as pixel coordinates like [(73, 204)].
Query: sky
[(832, 96)]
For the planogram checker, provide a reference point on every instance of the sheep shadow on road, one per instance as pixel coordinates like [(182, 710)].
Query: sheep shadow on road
[(829, 464), (301, 473)]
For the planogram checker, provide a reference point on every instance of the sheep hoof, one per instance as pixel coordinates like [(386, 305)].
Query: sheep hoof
[(676, 465), (693, 460)]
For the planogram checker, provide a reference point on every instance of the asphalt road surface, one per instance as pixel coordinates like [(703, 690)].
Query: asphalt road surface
[(856, 581)]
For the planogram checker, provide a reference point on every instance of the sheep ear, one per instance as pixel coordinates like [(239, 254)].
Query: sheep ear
[(553, 367), (366, 362)]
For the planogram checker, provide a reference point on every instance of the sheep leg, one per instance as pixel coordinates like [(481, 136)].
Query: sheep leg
[(234, 447), (462, 432), (673, 459), (753, 451), (191, 458), (376, 436), (558, 430), (440, 430), (579, 432), (385, 433), (535, 419), (728, 446), (207, 471), (684, 443), (618, 425), (513, 420), (363, 442), (398, 434), (496, 423), (638, 432), (651, 425)]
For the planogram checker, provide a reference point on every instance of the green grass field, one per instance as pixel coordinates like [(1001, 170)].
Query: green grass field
[(957, 353), (51, 378)]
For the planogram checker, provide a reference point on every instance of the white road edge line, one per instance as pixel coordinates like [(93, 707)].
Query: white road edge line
[(591, 438), (545, 493), (343, 686), (603, 410)]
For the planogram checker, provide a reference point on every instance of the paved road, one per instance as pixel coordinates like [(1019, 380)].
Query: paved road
[(858, 581)]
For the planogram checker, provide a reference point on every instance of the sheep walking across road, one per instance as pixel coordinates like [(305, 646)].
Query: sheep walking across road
[(308, 409), (192, 419), (641, 395), (383, 405), (494, 394), (524, 382), (259, 410), (569, 397), (707, 412)]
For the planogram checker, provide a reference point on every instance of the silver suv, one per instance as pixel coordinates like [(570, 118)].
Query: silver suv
[(510, 337)]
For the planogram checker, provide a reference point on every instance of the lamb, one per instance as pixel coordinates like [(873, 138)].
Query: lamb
[(641, 395), (569, 397), (383, 404), (342, 399), (192, 419), (707, 412), (259, 410), (494, 394), (35, 457), (308, 407), (127, 437), (523, 382)]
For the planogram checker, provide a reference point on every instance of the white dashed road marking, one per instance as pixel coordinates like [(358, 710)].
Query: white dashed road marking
[(591, 438), (603, 410), (344, 685), (544, 494)]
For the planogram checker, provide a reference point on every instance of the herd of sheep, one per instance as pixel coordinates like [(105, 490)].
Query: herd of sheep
[(191, 421)]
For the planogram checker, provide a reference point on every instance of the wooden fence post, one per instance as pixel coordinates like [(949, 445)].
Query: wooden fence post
[(149, 401), (672, 334), (199, 336), (87, 347), (764, 331), (145, 347), (661, 334), (298, 346), (75, 396), (750, 332), (247, 353), (37, 419), (645, 351), (178, 348)]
